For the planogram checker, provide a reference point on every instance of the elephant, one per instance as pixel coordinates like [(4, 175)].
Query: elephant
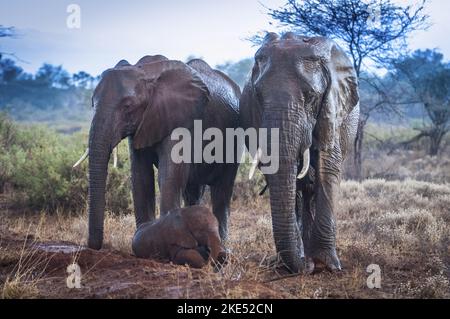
[(145, 102), (308, 89), (187, 235)]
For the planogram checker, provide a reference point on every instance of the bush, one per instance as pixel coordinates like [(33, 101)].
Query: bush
[(36, 163), (11, 146)]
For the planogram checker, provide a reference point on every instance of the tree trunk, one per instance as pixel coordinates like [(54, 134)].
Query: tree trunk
[(358, 150), (435, 143)]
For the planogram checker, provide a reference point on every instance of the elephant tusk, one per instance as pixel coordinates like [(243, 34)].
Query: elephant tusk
[(82, 158), (255, 163), (305, 165), (115, 157)]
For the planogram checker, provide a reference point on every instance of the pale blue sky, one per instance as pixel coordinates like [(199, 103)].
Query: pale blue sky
[(116, 29)]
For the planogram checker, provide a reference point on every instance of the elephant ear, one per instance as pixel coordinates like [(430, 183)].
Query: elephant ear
[(250, 110), (249, 107), (177, 97), (340, 98)]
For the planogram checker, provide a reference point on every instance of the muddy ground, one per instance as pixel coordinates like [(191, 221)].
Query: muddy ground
[(112, 274)]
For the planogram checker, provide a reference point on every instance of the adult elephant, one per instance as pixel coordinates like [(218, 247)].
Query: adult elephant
[(146, 102), (307, 88)]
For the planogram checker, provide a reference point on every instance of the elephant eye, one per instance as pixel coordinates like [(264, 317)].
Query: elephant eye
[(126, 106), (311, 98), (127, 102)]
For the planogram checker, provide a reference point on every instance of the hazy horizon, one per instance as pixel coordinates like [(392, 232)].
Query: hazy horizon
[(115, 30)]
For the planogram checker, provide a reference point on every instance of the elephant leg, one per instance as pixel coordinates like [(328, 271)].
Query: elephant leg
[(303, 208), (142, 184), (221, 193), (323, 236), (299, 209), (172, 178), (307, 220), (304, 216), (193, 194)]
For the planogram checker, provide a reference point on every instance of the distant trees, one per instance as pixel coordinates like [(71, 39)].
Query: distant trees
[(50, 93), (83, 79), (429, 79), (50, 75), (370, 30), (9, 71)]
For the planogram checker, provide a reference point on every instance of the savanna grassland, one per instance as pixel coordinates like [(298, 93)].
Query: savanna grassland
[(397, 218)]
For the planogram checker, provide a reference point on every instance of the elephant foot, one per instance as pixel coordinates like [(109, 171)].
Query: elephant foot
[(221, 262), (271, 261), (309, 266), (275, 263), (222, 258), (326, 260)]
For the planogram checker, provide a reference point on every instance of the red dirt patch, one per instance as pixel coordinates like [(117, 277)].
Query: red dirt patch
[(112, 274)]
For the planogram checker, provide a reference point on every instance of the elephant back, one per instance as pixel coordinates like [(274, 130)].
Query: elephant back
[(221, 87)]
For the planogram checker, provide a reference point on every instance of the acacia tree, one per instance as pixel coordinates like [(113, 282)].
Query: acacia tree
[(373, 31), (429, 78)]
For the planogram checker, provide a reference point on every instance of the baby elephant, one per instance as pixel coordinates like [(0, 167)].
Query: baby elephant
[(187, 235)]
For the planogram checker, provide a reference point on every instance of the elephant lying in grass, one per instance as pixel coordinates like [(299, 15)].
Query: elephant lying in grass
[(187, 235)]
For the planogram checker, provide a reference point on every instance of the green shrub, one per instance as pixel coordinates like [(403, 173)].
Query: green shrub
[(11, 150), (36, 163)]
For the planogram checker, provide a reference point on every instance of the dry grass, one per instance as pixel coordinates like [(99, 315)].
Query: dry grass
[(17, 289), (403, 165), (403, 226), (22, 281)]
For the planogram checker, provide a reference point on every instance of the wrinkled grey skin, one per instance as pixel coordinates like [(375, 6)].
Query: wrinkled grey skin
[(145, 102), (307, 88), (187, 235)]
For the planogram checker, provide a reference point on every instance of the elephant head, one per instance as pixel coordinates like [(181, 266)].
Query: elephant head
[(146, 102), (304, 87)]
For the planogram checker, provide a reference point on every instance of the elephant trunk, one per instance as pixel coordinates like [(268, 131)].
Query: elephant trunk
[(99, 154), (282, 187)]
